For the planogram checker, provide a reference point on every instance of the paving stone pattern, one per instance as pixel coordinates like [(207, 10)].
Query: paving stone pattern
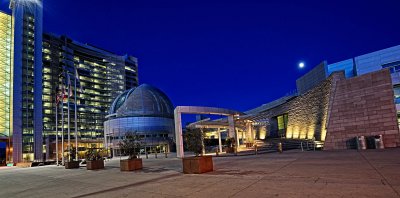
[(347, 173)]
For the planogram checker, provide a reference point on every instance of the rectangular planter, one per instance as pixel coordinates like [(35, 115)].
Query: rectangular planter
[(95, 165), (131, 165), (197, 165), (71, 164), (24, 164)]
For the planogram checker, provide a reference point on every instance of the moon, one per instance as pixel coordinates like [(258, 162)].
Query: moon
[(302, 65)]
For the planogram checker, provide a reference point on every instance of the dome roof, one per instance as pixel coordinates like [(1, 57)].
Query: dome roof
[(144, 100)]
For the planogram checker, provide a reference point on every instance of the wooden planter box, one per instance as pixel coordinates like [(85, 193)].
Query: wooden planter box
[(131, 165), (197, 165), (94, 165), (24, 164), (72, 165)]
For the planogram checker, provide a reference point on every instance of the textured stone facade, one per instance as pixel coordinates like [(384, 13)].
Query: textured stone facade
[(339, 109), (363, 106), (307, 113)]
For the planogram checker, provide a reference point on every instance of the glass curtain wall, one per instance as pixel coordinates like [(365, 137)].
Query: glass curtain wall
[(6, 39)]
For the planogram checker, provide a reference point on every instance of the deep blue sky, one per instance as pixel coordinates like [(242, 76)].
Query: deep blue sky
[(232, 54)]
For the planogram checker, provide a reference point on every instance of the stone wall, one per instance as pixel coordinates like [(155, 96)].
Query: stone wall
[(307, 113), (365, 106)]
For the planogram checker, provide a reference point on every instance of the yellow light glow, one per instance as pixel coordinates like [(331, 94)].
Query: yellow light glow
[(6, 73), (263, 132)]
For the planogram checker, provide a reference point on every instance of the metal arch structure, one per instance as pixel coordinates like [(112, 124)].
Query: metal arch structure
[(179, 110)]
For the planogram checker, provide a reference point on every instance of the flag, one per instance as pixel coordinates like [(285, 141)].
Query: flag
[(57, 96), (60, 94), (69, 86), (78, 80)]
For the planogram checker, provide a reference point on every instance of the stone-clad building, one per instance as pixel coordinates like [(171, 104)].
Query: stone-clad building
[(339, 109), (334, 104), (332, 113)]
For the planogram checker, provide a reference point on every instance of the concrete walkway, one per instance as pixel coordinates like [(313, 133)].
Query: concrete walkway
[(372, 173)]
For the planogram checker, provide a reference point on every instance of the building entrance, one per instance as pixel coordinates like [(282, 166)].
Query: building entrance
[(3, 156)]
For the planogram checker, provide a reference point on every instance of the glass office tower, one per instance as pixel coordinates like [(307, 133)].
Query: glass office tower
[(6, 40), (33, 69), (100, 77), (27, 18)]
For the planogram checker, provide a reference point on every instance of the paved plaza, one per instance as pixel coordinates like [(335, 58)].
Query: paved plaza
[(371, 173)]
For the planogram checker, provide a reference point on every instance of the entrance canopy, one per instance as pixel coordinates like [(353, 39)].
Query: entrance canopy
[(179, 110)]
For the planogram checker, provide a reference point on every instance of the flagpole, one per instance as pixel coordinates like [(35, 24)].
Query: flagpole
[(69, 120), (57, 127), (76, 117), (62, 124)]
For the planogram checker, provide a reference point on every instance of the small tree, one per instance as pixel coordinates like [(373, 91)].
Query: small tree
[(194, 140), (93, 154), (71, 153), (27, 158), (131, 145)]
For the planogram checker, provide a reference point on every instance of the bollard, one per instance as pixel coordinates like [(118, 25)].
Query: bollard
[(256, 149), (280, 147), (301, 145), (156, 154), (361, 143), (381, 145), (147, 155), (166, 155)]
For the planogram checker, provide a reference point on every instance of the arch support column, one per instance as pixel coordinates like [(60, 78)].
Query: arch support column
[(178, 134)]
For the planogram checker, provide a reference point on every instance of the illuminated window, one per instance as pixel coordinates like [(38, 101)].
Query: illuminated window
[(282, 121)]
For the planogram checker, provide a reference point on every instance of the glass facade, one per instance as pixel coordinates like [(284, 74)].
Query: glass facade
[(282, 122), (6, 40), (347, 66), (100, 77), (131, 72), (28, 87), (144, 110), (5, 74), (35, 68), (27, 80), (394, 68), (396, 90), (154, 131)]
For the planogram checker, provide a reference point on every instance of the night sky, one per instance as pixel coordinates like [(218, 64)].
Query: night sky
[(231, 54)]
